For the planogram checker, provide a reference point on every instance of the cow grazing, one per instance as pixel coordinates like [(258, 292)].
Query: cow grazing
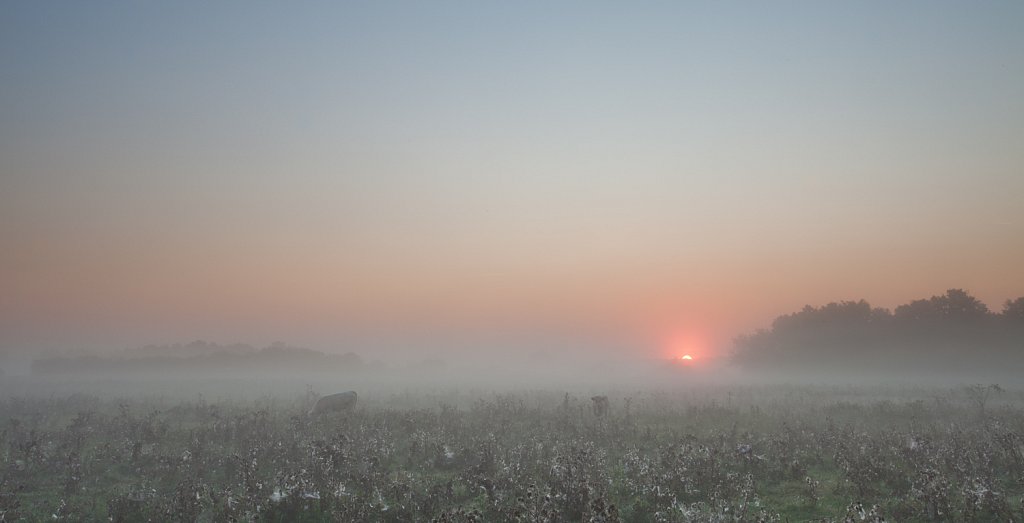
[(599, 405), (340, 402)]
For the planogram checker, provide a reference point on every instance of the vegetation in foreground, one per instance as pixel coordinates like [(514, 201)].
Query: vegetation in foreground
[(712, 454)]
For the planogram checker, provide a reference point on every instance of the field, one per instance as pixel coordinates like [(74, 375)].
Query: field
[(713, 453)]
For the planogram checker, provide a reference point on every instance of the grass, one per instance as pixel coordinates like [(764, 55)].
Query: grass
[(674, 456)]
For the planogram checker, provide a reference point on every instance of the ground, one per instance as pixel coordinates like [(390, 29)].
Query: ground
[(772, 453)]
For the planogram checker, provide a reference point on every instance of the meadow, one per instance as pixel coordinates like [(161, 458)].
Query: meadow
[(713, 453)]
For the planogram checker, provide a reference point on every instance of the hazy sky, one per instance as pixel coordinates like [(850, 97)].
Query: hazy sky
[(428, 171)]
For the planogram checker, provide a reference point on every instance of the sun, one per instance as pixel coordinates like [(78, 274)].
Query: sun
[(685, 347)]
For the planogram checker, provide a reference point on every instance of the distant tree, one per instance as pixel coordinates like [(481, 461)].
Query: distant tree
[(955, 305), (845, 314), (915, 311), (980, 394), (953, 330), (1013, 310), (958, 304)]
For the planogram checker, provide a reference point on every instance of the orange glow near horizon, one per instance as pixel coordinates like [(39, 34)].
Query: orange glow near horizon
[(685, 348)]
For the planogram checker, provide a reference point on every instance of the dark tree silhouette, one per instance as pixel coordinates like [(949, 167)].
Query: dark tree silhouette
[(955, 305), (952, 331), (1013, 310)]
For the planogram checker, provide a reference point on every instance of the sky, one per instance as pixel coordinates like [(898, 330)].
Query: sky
[(406, 177)]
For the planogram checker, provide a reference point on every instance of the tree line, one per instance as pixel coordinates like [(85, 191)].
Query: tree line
[(952, 331), (198, 358)]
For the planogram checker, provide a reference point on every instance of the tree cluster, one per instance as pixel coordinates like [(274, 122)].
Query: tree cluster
[(952, 331)]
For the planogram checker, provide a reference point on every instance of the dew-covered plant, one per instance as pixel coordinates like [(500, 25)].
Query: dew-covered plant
[(704, 455)]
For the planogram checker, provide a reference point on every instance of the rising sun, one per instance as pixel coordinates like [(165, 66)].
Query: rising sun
[(686, 357)]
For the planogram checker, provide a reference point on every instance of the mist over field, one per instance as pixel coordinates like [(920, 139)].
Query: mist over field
[(530, 262), (947, 339)]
